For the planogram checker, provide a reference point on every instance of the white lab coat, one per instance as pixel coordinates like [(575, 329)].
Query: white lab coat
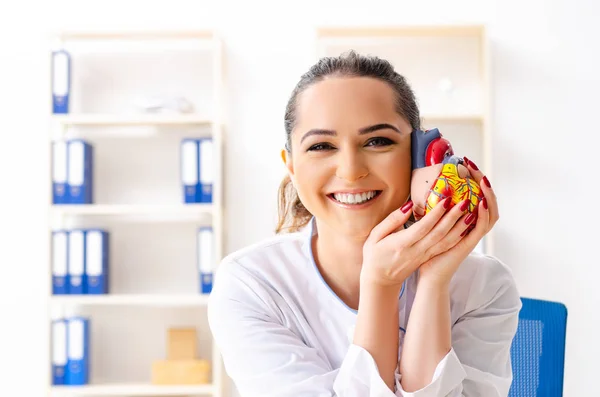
[(283, 332)]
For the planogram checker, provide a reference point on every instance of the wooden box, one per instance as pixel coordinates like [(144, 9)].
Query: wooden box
[(180, 372)]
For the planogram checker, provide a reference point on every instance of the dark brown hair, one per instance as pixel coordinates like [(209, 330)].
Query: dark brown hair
[(292, 213)]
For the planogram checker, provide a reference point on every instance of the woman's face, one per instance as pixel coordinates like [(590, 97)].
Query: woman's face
[(350, 160)]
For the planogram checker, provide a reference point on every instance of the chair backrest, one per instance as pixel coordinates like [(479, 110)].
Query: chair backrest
[(538, 349)]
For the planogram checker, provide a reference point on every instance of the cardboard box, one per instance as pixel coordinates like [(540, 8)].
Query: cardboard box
[(180, 372), (182, 344)]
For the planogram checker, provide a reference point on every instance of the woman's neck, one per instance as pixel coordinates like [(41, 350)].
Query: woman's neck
[(339, 259)]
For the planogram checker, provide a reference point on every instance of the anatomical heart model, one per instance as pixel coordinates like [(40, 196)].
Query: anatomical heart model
[(437, 173)]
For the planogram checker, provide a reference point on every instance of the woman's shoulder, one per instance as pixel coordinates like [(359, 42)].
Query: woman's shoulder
[(265, 259), (251, 278), (482, 279)]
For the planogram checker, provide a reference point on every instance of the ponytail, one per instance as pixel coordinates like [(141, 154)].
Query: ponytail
[(293, 216)]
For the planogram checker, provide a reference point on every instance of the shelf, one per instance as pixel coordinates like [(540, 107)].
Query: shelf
[(401, 31), (131, 390), (131, 300), (101, 120), (177, 210), (135, 35)]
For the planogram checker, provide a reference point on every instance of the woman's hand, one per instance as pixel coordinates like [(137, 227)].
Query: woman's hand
[(391, 255), (455, 247)]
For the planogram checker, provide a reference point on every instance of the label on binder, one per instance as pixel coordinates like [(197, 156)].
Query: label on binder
[(60, 279), (59, 352), (205, 258)]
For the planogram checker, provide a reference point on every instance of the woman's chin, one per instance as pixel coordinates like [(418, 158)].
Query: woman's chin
[(357, 228)]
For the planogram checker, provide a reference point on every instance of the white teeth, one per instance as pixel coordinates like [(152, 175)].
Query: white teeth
[(354, 198)]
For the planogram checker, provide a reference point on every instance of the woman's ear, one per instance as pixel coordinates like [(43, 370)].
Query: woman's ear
[(287, 160)]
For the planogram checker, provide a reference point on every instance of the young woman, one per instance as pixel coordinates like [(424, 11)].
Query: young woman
[(350, 302)]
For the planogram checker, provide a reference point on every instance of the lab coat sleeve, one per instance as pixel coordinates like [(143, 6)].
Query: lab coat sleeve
[(265, 358), (479, 362)]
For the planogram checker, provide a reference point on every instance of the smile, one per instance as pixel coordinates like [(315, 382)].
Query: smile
[(354, 199)]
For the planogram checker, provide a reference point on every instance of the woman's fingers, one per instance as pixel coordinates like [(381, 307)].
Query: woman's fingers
[(482, 226), (444, 236), (486, 187), (427, 223), (418, 212), (391, 223)]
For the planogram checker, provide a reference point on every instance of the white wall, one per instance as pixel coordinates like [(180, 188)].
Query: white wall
[(545, 62)]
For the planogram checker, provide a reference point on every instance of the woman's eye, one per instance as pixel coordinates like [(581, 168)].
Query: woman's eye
[(320, 147), (379, 141)]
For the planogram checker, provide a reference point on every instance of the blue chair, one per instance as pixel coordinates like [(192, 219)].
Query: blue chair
[(538, 350)]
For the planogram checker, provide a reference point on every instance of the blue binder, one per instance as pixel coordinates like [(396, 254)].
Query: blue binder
[(77, 257), (96, 261), (205, 244), (77, 351), (59, 352), (80, 175), (206, 169), (59, 173), (61, 81), (189, 171), (60, 267), (197, 170)]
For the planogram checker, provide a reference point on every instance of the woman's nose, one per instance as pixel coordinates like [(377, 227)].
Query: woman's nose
[(351, 167)]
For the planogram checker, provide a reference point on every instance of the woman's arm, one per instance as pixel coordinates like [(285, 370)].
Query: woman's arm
[(427, 339), (485, 303), (377, 328), (267, 358)]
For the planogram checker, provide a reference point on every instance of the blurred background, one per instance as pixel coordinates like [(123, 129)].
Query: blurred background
[(514, 84)]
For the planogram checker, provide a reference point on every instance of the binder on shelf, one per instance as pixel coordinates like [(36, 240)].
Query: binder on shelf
[(77, 351), (60, 267), (59, 173), (197, 170), (206, 169), (77, 259), (59, 352), (96, 261), (189, 171), (205, 243), (80, 171), (61, 81)]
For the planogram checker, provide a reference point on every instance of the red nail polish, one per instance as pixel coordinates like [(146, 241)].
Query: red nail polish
[(406, 207), (463, 234), (472, 164), (487, 182), (466, 160), (470, 218), (447, 202), (464, 206), (485, 205)]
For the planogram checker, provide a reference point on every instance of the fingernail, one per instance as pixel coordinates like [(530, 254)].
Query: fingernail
[(472, 164), (447, 202), (484, 203), (487, 182), (463, 234), (464, 206), (470, 218), (406, 207)]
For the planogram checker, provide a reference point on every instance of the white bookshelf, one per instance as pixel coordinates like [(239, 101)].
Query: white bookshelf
[(447, 66), (131, 390), (139, 202), (191, 211), (156, 300), (131, 119)]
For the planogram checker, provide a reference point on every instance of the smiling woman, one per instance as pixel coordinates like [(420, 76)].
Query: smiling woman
[(351, 302)]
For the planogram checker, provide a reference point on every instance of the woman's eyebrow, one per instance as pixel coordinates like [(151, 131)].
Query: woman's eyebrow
[(318, 131), (376, 127), (362, 131)]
